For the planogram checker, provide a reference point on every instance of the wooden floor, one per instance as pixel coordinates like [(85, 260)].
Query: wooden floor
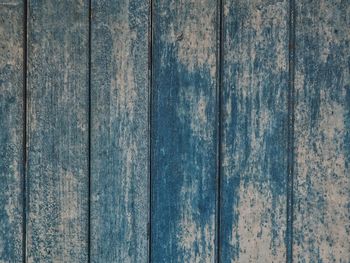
[(175, 131)]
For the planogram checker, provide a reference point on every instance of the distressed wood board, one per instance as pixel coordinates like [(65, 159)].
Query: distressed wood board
[(174, 131)]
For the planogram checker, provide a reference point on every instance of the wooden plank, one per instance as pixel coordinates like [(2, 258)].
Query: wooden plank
[(119, 134), (254, 131), (184, 131), (12, 132), (58, 131), (322, 125)]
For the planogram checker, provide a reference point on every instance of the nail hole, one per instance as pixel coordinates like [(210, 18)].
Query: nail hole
[(180, 37)]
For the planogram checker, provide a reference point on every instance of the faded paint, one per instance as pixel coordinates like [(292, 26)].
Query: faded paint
[(184, 131), (119, 132), (193, 34), (322, 226), (254, 134), (255, 129), (11, 133), (57, 131)]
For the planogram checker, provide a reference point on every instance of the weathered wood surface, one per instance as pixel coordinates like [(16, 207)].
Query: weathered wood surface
[(254, 131), (130, 153), (57, 131), (119, 131), (183, 126), (322, 132), (12, 130)]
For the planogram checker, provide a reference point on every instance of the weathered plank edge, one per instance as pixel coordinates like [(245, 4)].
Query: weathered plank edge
[(25, 184), (150, 134), (290, 132), (219, 84), (89, 136)]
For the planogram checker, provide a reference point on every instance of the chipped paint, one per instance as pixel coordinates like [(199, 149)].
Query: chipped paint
[(256, 131)]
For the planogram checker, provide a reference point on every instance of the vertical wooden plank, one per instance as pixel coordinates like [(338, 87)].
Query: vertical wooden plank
[(12, 129), (119, 134), (58, 131), (254, 131), (184, 131), (322, 132)]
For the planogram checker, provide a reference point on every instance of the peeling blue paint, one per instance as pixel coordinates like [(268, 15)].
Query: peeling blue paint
[(174, 131)]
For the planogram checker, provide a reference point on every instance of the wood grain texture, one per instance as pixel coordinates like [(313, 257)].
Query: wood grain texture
[(120, 147), (119, 133), (58, 131), (254, 131), (12, 131), (322, 132), (184, 131)]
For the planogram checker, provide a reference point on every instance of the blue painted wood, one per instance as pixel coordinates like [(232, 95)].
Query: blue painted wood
[(57, 131), (119, 131), (12, 130), (322, 132), (184, 141), (258, 124), (254, 131)]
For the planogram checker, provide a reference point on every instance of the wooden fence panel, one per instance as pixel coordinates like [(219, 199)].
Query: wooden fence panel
[(174, 131)]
